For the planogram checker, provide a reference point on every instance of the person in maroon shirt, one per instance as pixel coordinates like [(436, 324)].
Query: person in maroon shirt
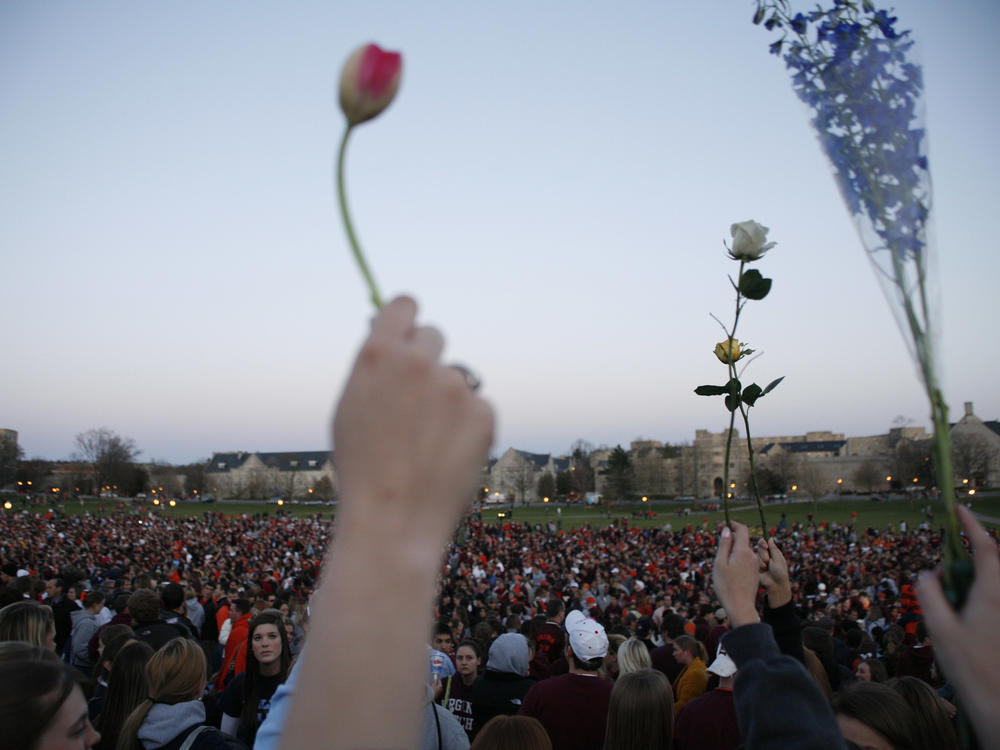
[(573, 707), (709, 721), (457, 696), (549, 638), (663, 656)]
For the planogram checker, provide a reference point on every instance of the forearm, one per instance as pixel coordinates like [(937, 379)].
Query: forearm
[(786, 628), (377, 587), (778, 704)]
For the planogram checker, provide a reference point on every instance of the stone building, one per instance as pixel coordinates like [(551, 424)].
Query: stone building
[(975, 450), (516, 473), (296, 475)]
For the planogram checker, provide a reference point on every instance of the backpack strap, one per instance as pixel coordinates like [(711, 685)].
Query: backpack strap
[(192, 736)]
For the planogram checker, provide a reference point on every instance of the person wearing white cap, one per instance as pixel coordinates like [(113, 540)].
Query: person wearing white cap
[(573, 707), (709, 721)]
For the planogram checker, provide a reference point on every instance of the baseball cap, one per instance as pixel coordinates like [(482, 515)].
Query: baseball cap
[(723, 665), (586, 636)]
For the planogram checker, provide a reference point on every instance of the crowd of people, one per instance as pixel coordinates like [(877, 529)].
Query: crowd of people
[(141, 631)]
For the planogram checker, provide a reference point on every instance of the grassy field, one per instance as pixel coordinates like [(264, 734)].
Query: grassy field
[(869, 512)]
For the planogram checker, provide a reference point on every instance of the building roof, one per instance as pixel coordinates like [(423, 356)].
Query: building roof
[(540, 460), (807, 446), (289, 461)]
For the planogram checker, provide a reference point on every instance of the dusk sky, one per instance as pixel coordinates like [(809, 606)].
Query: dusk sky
[(553, 183)]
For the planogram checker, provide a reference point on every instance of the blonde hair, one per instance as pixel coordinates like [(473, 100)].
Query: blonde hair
[(175, 673), (633, 656), (27, 621)]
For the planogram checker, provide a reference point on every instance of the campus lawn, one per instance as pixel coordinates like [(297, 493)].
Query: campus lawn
[(874, 513), (869, 512)]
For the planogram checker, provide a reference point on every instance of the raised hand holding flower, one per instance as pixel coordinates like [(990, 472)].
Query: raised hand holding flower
[(368, 84)]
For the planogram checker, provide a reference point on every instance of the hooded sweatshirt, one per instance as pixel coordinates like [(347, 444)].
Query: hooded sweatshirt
[(501, 687), (165, 721), (509, 653), (84, 626)]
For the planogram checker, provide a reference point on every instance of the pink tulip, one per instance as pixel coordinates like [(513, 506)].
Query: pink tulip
[(369, 82)]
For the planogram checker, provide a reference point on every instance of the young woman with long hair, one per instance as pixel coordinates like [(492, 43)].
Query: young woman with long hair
[(641, 712), (248, 696), (110, 641), (176, 674), (127, 688)]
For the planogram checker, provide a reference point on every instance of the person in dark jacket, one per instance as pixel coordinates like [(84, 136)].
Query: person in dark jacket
[(63, 608), (144, 606), (663, 656), (501, 688)]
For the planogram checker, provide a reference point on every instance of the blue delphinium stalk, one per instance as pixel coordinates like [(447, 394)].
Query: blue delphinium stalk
[(852, 68)]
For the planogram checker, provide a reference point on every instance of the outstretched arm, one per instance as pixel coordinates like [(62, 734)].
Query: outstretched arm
[(410, 439), (778, 705), (966, 643), (779, 611)]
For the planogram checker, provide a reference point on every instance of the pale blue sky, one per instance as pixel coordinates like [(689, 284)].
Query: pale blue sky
[(553, 182)]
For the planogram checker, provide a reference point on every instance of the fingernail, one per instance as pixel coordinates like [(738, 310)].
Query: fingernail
[(725, 532)]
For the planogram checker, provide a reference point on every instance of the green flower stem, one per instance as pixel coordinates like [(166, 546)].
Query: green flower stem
[(725, 470), (346, 216), (732, 414), (753, 471)]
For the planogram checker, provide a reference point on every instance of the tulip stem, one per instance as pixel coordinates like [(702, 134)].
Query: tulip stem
[(348, 227)]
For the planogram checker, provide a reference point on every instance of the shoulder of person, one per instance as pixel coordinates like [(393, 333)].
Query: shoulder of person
[(202, 737)]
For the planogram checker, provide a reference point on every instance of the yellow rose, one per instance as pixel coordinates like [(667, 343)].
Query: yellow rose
[(728, 351)]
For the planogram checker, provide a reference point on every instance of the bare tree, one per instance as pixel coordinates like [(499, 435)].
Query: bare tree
[(784, 466), (323, 488), (650, 472), (523, 480), (971, 457), (813, 482), (10, 454), (581, 472), (111, 455), (867, 475)]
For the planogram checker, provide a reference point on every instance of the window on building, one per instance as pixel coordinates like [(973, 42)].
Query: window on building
[(293, 462), (312, 461)]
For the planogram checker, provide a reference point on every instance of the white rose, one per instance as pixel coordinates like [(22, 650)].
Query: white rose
[(749, 240)]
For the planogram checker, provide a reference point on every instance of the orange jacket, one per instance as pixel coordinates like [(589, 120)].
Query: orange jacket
[(690, 683), (235, 656)]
